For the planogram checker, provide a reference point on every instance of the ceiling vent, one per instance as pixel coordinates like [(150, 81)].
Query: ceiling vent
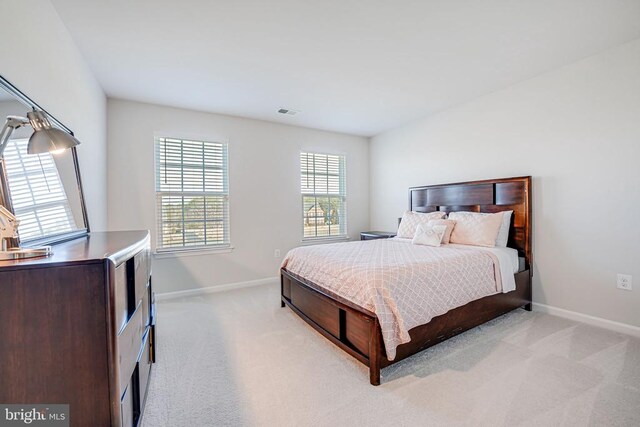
[(288, 112)]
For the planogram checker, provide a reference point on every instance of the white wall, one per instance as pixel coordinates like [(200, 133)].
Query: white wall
[(264, 183), (39, 57), (577, 132)]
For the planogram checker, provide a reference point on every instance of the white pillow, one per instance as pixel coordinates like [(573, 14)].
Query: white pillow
[(449, 223), (411, 220), (503, 234), (430, 235), (475, 228)]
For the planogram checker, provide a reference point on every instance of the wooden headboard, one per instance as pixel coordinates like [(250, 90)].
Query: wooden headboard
[(491, 195)]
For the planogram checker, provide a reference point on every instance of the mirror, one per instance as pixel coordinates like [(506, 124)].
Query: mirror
[(44, 191)]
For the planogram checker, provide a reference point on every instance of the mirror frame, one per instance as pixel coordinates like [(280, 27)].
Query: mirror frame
[(6, 202)]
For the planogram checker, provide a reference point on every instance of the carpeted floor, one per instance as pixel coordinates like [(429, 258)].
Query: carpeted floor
[(236, 358)]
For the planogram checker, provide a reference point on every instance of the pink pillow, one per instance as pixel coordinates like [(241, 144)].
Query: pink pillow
[(429, 235), (411, 220), (449, 223), (474, 228)]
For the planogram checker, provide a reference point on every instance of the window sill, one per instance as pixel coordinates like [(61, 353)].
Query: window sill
[(179, 253), (322, 240)]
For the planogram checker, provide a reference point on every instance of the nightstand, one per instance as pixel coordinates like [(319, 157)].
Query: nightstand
[(371, 235)]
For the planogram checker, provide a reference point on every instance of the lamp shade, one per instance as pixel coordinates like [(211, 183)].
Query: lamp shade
[(45, 137)]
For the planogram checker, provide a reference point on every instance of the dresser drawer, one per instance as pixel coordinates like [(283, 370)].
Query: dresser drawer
[(142, 270), (153, 343), (126, 407), (144, 365), (146, 306), (121, 297), (129, 343)]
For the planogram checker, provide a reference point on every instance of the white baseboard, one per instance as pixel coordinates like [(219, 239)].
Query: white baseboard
[(585, 318), (212, 289)]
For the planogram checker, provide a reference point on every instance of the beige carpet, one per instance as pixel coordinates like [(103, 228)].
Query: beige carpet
[(236, 358)]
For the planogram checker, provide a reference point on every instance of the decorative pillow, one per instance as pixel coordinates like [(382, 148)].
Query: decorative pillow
[(449, 223), (474, 228), (411, 220), (430, 235), (503, 234)]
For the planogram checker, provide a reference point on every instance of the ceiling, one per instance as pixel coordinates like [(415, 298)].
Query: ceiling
[(355, 66)]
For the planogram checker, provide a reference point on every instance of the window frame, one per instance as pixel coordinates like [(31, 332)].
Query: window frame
[(169, 251), (344, 233)]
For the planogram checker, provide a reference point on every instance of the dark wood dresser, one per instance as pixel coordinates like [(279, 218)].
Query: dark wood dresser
[(78, 328)]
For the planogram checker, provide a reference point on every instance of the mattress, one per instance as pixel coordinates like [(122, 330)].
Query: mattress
[(509, 262), (404, 285)]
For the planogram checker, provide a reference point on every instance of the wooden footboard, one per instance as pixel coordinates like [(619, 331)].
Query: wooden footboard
[(357, 331)]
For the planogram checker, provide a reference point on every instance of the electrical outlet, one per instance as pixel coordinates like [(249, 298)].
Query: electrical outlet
[(276, 253), (624, 282)]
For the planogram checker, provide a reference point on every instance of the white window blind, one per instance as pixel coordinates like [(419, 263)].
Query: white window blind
[(37, 193), (324, 195), (192, 194)]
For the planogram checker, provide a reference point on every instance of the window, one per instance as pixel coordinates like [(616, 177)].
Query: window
[(324, 195), (37, 193), (192, 194)]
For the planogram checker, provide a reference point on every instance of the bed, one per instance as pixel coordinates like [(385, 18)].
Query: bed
[(342, 316)]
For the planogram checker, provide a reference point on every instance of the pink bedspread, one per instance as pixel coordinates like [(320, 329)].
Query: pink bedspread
[(405, 285)]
